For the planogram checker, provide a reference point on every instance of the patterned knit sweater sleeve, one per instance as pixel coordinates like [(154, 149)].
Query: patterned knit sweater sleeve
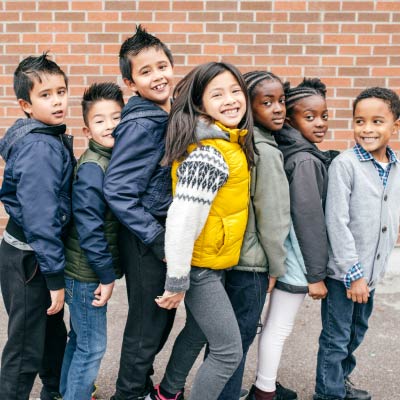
[(200, 177)]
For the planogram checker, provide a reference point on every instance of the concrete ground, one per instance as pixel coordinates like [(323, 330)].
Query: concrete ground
[(378, 357)]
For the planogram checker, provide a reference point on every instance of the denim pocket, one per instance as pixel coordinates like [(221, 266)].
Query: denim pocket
[(69, 290)]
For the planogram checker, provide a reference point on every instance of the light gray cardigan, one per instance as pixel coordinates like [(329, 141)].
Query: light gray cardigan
[(362, 217)]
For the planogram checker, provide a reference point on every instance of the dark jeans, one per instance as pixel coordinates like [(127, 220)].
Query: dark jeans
[(36, 341), (247, 292), (344, 324), (147, 326)]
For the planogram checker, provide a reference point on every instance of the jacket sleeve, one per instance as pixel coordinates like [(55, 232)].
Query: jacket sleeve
[(306, 183), (136, 154), (89, 207), (38, 171), (337, 212), (272, 208)]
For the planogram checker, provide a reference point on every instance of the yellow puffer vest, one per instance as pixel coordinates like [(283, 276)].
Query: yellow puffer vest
[(219, 243)]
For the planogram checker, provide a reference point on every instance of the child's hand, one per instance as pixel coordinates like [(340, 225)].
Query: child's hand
[(359, 291), (57, 301), (271, 284), (170, 300), (317, 290), (102, 294)]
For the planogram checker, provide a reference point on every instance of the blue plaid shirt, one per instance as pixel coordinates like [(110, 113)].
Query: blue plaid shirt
[(356, 271)]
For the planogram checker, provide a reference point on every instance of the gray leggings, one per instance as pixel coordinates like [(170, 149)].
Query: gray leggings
[(210, 319)]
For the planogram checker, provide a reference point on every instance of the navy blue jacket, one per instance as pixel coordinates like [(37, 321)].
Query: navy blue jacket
[(137, 189), (36, 190)]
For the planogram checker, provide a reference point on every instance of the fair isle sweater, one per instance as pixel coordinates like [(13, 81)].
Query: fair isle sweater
[(200, 176)]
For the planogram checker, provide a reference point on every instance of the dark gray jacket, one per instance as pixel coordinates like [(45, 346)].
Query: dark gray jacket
[(306, 168)]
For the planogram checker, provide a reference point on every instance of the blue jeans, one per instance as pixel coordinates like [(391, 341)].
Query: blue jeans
[(344, 324), (247, 292), (87, 341)]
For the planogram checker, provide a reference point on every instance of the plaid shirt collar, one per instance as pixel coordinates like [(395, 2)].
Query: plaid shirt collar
[(364, 155)]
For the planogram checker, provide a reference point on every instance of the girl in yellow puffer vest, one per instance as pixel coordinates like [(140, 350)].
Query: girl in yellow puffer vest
[(209, 144)]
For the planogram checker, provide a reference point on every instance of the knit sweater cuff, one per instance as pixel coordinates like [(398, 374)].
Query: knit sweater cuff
[(176, 285)]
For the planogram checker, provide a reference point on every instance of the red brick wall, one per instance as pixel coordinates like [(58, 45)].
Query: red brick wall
[(349, 44)]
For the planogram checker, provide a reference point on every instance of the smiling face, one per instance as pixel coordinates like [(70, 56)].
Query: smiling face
[(48, 100), (268, 105), (152, 76), (310, 118), (103, 117), (373, 125), (224, 101)]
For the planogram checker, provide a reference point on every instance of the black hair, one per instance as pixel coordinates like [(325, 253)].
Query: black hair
[(31, 69), (100, 91), (188, 107), (254, 78), (134, 45), (389, 96), (309, 87)]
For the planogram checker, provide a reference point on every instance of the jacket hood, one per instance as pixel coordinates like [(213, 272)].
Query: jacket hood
[(261, 135), (139, 107), (23, 127), (290, 141), (205, 130)]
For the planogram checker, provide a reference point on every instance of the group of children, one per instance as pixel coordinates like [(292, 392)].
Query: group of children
[(217, 197)]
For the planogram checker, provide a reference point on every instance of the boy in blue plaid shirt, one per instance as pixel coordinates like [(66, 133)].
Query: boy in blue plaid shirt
[(362, 214)]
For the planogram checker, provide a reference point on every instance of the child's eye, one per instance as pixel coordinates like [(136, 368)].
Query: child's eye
[(282, 101), (117, 118), (162, 67), (145, 71), (216, 95), (100, 121), (325, 117), (62, 92), (310, 117), (237, 91), (45, 95), (358, 121), (267, 103), (378, 122)]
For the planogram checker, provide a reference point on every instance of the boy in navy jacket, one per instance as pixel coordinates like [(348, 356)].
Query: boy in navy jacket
[(36, 195), (91, 247), (138, 191)]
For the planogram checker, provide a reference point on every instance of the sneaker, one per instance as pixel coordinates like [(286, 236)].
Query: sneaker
[(283, 393), (156, 395), (50, 395), (94, 391), (250, 396), (353, 393), (243, 393)]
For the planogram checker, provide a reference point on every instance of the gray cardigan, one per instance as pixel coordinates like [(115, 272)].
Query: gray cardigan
[(269, 222), (362, 217)]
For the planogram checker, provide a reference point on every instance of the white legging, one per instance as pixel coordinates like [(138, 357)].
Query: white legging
[(278, 325)]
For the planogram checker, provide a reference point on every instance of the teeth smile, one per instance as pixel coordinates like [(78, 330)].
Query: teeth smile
[(230, 112), (160, 87)]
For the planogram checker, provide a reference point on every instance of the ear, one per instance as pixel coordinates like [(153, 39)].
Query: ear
[(25, 106), (86, 132), (396, 127), (130, 84)]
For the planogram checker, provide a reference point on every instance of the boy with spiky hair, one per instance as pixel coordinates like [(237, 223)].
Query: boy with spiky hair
[(138, 191), (36, 195), (91, 247)]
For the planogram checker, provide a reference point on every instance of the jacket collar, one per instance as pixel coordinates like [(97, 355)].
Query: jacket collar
[(98, 148)]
